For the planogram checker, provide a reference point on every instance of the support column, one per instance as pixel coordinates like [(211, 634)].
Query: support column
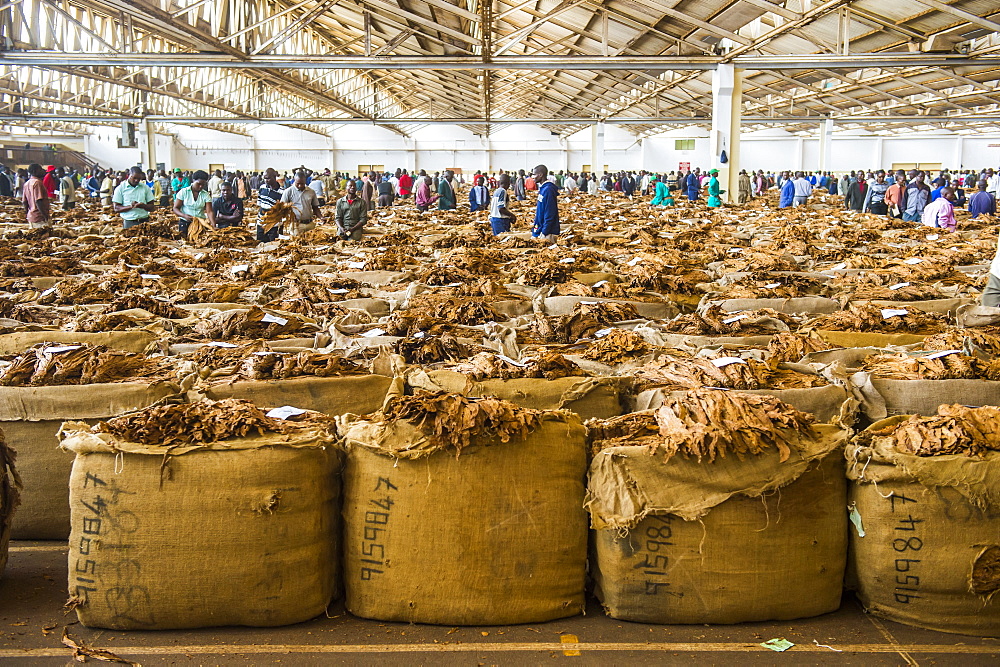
[(147, 144), (826, 145), (879, 145), (800, 154), (959, 156), (597, 148), (727, 96)]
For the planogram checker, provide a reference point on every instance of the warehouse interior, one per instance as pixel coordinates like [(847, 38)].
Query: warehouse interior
[(505, 331)]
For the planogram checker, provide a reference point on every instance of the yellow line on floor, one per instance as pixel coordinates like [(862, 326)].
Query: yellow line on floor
[(884, 631), (41, 547), (709, 647)]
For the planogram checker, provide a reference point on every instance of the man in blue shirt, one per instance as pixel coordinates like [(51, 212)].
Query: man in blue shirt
[(479, 196), (787, 193), (982, 202), (693, 185), (547, 209)]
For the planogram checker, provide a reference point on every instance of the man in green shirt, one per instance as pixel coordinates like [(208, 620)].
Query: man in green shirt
[(179, 181), (446, 192), (133, 199), (352, 213)]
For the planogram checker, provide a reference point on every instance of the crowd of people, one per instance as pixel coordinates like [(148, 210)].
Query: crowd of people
[(219, 198)]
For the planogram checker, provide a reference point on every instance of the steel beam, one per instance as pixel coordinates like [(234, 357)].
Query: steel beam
[(593, 63), (668, 120)]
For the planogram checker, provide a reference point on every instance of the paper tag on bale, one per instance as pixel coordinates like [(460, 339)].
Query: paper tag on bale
[(373, 333), (219, 343), (893, 312), (239, 268), (735, 318), (899, 286), (60, 348), (286, 411), (943, 353), (913, 260), (722, 362), (268, 317)]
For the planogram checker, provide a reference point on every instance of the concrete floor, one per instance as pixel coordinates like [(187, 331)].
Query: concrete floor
[(32, 622)]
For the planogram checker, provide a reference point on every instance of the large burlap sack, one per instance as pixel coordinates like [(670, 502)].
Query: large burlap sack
[(31, 417), (358, 395), (948, 307), (825, 403), (922, 397), (136, 340), (10, 485), (494, 536), (563, 305), (793, 305), (240, 532), (588, 397), (723, 542), (925, 544), (868, 338)]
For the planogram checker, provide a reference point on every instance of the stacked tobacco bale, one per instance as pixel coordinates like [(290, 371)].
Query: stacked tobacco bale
[(925, 509), (204, 514), (10, 498), (693, 504)]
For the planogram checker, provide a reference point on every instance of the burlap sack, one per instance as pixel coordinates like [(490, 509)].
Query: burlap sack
[(948, 307), (929, 555), (358, 395), (563, 305), (136, 340), (824, 403), (588, 397), (922, 397), (10, 485), (31, 417), (241, 532), (868, 339), (794, 305), (723, 542), (495, 536)]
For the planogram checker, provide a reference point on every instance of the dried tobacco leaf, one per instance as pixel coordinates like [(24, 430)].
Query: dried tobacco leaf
[(788, 346), (50, 364), (955, 430), (709, 423), (193, 423), (431, 349), (866, 317), (617, 347), (905, 367), (453, 421)]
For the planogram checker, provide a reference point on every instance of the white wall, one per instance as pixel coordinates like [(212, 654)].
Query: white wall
[(437, 147)]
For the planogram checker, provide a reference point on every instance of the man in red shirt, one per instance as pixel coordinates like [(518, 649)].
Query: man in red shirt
[(405, 184), (36, 199), (50, 181)]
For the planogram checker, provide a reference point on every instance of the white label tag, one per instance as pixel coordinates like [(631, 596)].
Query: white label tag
[(637, 241), (511, 361), (239, 268), (600, 283), (149, 276), (219, 343), (603, 332), (589, 303), (339, 291), (453, 285), (840, 267), (283, 237), (932, 237), (174, 251), (722, 362), (285, 411), (567, 260), (772, 286), (420, 334), (912, 260), (268, 317), (48, 291), (945, 353), (355, 265), (554, 246), (634, 261), (893, 312), (735, 318), (735, 251), (899, 286), (60, 348), (373, 333)]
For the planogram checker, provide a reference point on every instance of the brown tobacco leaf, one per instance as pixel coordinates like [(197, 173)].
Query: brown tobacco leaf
[(277, 366), (865, 317), (431, 349), (237, 324), (617, 347), (788, 346), (672, 372), (636, 429), (453, 421), (193, 423), (280, 213), (157, 307), (85, 364), (904, 367), (955, 430), (82, 652), (708, 423), (548, 366), (986, 341), (713, 321)]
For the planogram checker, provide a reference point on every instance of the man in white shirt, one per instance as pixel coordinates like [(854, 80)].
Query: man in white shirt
[(570, 183), (317, 186), (803, 188), (215, 184), (993, 183), (305, 203)]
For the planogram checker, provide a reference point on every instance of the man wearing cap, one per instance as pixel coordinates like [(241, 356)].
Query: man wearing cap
[(179, 181), (714, 199)]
